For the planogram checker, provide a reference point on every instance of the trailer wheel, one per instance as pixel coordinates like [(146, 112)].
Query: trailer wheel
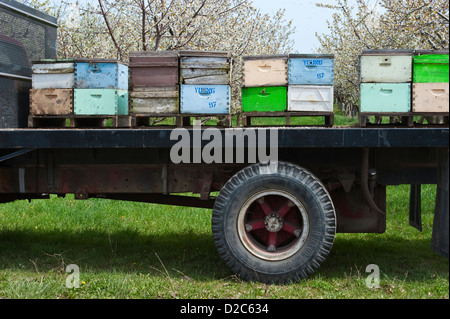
[(273, 223)]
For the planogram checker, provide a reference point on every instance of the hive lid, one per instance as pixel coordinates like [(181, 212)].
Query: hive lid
[(312, 56), (390, 52), (153, 54), (266, 57), (217, 54)]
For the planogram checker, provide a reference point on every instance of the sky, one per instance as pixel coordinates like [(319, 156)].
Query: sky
[(306, 17)]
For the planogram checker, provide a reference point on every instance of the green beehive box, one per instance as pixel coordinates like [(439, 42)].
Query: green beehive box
[(100, 102), (264, 99), (431, 68)]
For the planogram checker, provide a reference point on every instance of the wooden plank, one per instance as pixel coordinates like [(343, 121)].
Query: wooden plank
[(155, 100), (246, 117)]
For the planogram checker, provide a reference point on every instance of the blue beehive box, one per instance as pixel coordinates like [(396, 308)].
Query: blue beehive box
[(100, 74), (205, 99), (311, 69)]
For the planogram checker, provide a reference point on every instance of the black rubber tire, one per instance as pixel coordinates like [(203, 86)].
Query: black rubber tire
[(298, 183)]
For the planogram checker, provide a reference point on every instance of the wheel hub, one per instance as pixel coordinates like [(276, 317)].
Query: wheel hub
[(273, 223)]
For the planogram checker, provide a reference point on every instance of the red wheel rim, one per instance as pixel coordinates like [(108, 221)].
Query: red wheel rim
[(273, 225)]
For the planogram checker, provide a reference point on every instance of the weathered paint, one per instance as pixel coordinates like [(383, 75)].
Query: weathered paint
[(154, 69), (386, 68), (264, 99), (101, 75), (205, 99), (431, 68), (155, 100), (197, 68), (53, 75), (100, 102), (430, 97), (264, 71), (51, 101), (310, 98), (312, 70), (385, 97)]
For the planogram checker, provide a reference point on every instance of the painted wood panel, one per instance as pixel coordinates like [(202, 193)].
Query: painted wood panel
[(310, 98), (431, 68), (209, 68), (53, 75), (430, 97), (385, 97), (100, 102), (205, 99), (155, 100), (264, 99), (386, 68), (101, 75), (51, 101), (264, 71), (154, 69), (311, 70)]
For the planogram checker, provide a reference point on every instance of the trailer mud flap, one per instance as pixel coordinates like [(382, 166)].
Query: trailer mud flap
[(439, 239)]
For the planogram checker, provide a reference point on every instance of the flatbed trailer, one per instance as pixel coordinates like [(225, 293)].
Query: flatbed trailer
[(271, 222)]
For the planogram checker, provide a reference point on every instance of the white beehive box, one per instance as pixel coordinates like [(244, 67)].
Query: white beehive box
[(386, 66), (311, 98)]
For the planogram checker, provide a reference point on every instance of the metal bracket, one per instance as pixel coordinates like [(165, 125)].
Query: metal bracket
[(16, 154)]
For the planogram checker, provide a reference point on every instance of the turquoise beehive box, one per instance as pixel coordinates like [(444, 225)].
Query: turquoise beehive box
[(100, 102), (385, 97)]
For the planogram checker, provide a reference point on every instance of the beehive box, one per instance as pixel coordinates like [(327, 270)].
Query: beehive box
[(51, 101), (264, 99), (430, 97), (265, 71), (206, 68), (53, 74), (79, 74), (385, 97), (310, 98), (100, 102), (154, 69), (385, 66), (431, 67), (311, 69), (154, 100), (205, 99)]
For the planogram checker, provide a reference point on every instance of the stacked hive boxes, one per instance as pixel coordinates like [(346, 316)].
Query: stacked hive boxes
[(205, 82), (430, 82), (79, 88), (385, 77), (264, 83), (154, 82), (311, 79)]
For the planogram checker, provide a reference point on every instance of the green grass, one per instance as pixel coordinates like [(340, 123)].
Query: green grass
[(137, 250)]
